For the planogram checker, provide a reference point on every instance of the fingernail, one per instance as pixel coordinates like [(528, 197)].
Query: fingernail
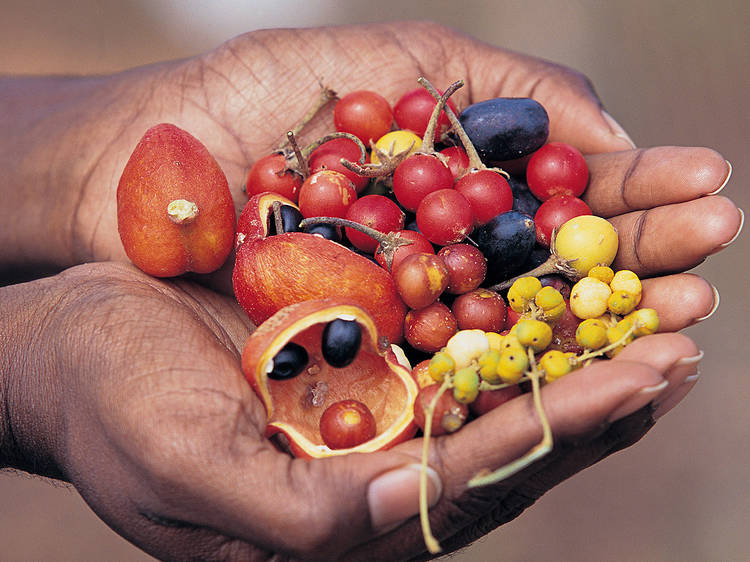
[(617, 129), (726, 180), (739, 230), (644, 396), (675, 397), (393, 497), (690, 360), (717, 300)]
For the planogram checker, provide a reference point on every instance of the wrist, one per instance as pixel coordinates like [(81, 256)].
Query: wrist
[(29, 424)]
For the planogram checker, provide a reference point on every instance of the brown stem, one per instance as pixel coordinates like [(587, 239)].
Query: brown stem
[(388, 163), (326, 96), (302, 167), (553, 264), (388, 243), (278, 221), (338, 135), (428, 141)]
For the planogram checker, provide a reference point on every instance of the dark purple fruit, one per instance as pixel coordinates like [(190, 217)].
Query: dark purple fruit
[(341, 342), (506, 241), (523, 199), (289, 362), (506, 128)]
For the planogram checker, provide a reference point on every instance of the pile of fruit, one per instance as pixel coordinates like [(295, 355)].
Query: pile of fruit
[(378, 247)]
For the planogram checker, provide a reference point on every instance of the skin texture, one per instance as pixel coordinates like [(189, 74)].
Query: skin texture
[(130, 388)]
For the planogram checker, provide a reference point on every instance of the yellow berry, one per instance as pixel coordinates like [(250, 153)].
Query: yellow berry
[(645, 321), (441, 364), (554, 314), (512, 365), (396, 141), (555, 364), (586, 241), (534, 333), (588, 298), (548, 297), (617, 334), (495, 340), (621, 302), (466, 385), (591, 333), (522, 291), (602, 273), (487, 363), (626, 280)]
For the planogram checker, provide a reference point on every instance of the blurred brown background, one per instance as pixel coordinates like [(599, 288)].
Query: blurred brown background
[(671, 72)]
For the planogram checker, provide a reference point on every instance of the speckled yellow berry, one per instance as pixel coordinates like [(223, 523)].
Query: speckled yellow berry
[(626, 280), (512, 365), (495, 340), (523, 291), (555, 364), (591, 333), (534, 333), (621, 302), (487, 364)]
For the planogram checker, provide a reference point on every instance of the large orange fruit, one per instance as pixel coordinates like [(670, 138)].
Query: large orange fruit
[(295, 405)]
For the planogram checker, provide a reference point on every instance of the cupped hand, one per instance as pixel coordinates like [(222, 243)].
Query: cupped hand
[(241, 98), (132, 391)]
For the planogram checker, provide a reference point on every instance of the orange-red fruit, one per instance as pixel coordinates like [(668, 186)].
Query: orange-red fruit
[(429, 329), (448, 415), (420, 279), (294, 406), (346, 424), (280, 270), (168, 165)]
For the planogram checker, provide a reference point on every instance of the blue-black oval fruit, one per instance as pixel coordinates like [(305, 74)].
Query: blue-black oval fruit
[(506, 241), (506, 128), (288, 363), (341, 342)]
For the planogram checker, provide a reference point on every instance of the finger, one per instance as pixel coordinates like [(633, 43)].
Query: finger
[(680, 300), (646, 178), (575, 111), (675, 237)]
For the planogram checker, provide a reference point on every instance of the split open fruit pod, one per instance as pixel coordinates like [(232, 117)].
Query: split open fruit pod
[(296, 402)]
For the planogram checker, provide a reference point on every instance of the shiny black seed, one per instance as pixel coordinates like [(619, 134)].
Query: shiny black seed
[(289, 362), (327, 231), (290, 219), (341, 342)]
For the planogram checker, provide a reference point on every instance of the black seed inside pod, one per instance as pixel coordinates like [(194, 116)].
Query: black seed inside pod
[(341, 342), (289, 362), (290, 219)]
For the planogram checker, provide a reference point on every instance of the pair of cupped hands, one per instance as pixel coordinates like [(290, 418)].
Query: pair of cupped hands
[(130, 387)]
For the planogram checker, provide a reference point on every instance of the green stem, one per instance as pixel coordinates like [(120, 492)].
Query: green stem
[(424, 511)]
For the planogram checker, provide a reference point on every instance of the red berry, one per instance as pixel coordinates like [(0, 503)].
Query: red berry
[(467, 267), (554, 212), (457, 160), (270, 173), (413, 111), (557, 169), (329, 155), (419, 245), (326, 194), (417, 176), (365, 114), (445, 217), (375, 211), (488, 192)]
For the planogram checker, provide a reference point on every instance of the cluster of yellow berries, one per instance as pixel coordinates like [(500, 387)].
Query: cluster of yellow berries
[(606, 302), (474, 360)]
